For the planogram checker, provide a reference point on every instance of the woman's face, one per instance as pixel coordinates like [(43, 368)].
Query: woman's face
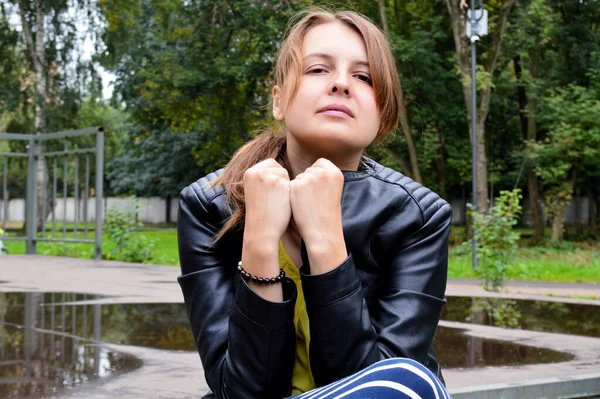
[(334, 110)]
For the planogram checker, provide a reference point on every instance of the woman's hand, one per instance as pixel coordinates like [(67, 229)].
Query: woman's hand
[(267, 197), (268, 213), (315, 199)]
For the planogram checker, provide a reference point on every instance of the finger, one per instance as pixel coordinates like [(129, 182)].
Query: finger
[(268, 163), (324, 163), (282, 172), (300, 176)]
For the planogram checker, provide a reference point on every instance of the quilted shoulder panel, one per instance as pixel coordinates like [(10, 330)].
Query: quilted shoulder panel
[(206, 191), (428, 201)]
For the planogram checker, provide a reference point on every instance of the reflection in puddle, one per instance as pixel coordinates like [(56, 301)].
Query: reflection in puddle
[(556, 317), (46, 348), (165, 326), (457, 350), (47, 340)]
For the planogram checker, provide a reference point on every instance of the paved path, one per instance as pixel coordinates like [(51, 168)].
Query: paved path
[(172, 374), (465, 287)]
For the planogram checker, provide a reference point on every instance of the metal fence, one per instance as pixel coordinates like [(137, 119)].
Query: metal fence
[(50, 343), (65, 156)]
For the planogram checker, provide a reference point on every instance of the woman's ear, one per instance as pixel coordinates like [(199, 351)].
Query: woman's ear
[(277, 110)]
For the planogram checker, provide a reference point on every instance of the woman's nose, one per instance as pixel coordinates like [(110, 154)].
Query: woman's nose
[(340, 83)]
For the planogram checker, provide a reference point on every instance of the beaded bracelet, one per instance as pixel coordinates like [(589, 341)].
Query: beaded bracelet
[(260, 280)]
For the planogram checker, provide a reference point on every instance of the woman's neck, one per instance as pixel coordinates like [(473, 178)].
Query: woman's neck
[(297, 160)]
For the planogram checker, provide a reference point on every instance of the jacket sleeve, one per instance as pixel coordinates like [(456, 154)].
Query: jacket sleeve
[(246, 343), (346, 334)]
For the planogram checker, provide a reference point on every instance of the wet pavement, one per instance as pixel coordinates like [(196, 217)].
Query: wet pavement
[(56, 317), (125, 297), (43, 351), (534, 315)]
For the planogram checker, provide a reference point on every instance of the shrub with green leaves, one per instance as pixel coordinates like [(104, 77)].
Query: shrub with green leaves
[(500, 312), (496, 238), (129, 247)]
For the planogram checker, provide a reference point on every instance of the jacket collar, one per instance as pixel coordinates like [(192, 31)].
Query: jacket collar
[(366, 168)]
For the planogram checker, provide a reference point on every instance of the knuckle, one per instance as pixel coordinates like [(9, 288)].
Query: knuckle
[(249, 174)]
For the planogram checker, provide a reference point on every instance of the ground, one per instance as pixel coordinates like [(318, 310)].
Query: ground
[(176, 374)]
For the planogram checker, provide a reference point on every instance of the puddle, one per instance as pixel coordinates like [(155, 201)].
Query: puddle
[(59, 353), (165, 326), (40, 356), (455, 350), (556, 317)]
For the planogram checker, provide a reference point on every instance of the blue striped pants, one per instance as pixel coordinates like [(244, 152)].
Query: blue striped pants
[(391, 378)]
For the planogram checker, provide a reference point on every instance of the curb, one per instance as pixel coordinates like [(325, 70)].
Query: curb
[(574, 386)]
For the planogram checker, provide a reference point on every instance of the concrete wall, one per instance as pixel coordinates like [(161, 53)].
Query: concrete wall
[(577, 212), (153, 210)]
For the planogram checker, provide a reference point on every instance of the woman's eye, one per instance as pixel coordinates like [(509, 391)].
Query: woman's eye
[(365, 78), (316, 70)]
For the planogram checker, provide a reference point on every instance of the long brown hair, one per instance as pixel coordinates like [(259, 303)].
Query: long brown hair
[(271, 142)]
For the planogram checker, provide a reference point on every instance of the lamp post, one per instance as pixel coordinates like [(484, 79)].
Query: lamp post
[(476, 26)]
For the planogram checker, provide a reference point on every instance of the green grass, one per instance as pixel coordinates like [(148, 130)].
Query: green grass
[(573, 262), (165, 245), (581, 264)]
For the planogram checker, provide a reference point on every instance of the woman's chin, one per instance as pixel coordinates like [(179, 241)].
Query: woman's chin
[(330, 145)]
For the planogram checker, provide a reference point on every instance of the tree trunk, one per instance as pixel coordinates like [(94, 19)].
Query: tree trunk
[(529, 132), (558, 219), (521, 96), (404, 123), (404, 167), (481, 167), (398, 14), (592, 214), (412, 151), (533, 185), (558, 224), (37, 51), (382, 14), (461, 42), (440, 164), (536, 206)]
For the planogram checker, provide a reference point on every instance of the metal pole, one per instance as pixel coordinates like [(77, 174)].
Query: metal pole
[(31, 206), (76, 197), (87, 193), (473, 39), (97, 335), (54, 185), (65, 188), (99, 192), (44, 194), (5, 194)]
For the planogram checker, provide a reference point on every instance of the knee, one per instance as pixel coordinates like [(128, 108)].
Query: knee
[(406, 374)]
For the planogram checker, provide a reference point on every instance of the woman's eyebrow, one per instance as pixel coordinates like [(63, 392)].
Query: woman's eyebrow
[(329, 57)]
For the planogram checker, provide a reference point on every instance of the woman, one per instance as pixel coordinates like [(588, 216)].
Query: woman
[(305, 263)]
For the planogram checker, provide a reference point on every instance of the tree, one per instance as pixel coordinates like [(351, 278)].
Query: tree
[(61, 78), (197, 72), (527, 39), (404, 123), (485, 76), (571, 147)]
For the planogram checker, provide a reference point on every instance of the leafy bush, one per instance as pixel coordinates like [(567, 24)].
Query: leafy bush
[(129, 247), (500, 312), (65, 249), (496, 239)]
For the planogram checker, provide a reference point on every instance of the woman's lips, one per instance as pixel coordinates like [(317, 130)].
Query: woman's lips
[(337, 110), (334, 112)]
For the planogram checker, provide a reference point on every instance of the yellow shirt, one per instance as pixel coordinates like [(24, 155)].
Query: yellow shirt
[(302, 378)]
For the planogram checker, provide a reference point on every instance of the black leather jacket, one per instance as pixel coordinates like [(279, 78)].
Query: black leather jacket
[(383, 301)]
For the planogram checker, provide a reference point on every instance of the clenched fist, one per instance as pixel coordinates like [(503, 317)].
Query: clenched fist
[(267, 197), (315, 199)]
